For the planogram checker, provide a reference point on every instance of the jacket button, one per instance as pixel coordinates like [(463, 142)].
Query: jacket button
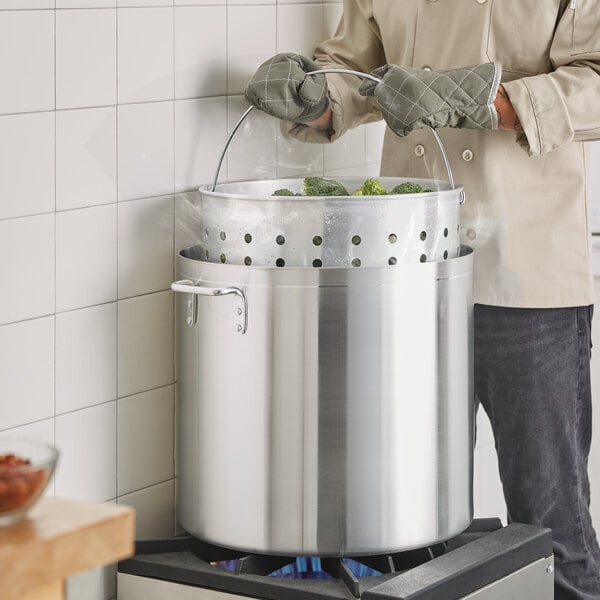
[(471, 235), (426, 68), (419, 149), (481, 1), (467, 155)]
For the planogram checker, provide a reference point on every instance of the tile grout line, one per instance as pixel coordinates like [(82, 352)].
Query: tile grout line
[(55, 230), (172, 263), (117, 104), (81, 409), (117, 403)]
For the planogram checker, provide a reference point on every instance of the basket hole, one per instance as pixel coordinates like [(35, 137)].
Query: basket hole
[(206, 232), (317, 240), (223, 258), (317, 262), (445, 254), (247, 238), (356, 262), (247, 261), (280, 262), (223, 235), (356, 240), (392, 238), (392, 261), (207, 255), (280, 240), (423, 236), (423, 258), (446, 232)]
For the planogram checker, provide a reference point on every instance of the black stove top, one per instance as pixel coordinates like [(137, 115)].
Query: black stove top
[(480, 555)]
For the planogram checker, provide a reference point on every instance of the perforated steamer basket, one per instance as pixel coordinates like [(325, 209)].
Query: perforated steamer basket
[(242, 223)]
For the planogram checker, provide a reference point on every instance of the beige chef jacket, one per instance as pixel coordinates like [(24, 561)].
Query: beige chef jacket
[(526, 208)]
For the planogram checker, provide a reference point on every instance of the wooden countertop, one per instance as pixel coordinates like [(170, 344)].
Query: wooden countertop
[(59, 538)]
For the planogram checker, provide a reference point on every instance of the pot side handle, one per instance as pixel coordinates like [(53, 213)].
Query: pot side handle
[(185, 286)]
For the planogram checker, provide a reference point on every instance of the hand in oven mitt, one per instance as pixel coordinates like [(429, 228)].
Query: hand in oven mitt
[(415, 98), (281, 88)]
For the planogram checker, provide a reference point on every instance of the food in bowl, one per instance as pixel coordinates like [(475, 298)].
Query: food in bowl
[(25, 469)]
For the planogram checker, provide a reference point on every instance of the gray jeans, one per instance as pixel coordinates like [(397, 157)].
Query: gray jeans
[(532, 376)]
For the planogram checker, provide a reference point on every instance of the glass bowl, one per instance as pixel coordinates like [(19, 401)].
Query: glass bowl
[(25, 470)]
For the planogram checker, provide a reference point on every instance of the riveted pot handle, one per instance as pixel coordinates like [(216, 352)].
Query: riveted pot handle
[(185, 286), (346, 72)]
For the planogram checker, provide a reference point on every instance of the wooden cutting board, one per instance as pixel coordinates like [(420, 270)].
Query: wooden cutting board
[(60, 538)]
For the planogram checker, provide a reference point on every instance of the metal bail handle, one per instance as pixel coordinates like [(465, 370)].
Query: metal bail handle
[(345, 72)]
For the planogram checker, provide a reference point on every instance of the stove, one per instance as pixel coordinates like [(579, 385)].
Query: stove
[(485, 562)]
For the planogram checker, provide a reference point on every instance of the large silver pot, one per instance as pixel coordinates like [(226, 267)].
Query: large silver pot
[(325, 411)]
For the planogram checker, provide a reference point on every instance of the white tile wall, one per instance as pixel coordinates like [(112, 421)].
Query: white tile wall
[(145, 343), (26, 164), (145, 147), (258, 131), (145, 246), (27, 267), (108, 108), (155, 510), (27, 61), (86, 157), (87, 442), (27, 371), (200, 134), (86, 257), (594, 187), (145, 54), (251, 38), (86, 357), (200, 51), (85, 57), (145, 459), (487, 489)]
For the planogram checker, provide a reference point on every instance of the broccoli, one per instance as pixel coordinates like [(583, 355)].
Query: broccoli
[(317, 186), (284, 192), (371, 187), (408, 187)]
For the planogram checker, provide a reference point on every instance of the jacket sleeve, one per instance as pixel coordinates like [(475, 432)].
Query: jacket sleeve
[(564, 105), (356, 45)]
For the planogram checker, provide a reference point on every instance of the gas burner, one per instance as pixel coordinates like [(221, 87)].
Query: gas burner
[(347, 570), (487, 561)]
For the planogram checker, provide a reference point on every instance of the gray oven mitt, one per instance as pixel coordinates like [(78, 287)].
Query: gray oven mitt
[(281, 88), (416, 98)]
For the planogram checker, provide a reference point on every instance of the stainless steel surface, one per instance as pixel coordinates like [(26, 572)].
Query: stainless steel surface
[(243, 224), (133, 587), (185, 286), (341, 423), (533, 582), (530, 583)]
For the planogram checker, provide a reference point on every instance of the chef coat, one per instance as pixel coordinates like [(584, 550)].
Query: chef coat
[(526, 207)]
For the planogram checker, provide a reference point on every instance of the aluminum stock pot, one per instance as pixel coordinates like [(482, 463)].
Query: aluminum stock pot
[(325, 411), (325, 369)]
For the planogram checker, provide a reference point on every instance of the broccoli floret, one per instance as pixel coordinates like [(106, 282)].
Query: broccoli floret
[(408, 187), (284, 192), (317, 186), (371, 187)]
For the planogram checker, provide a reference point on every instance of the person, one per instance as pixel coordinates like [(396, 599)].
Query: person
[(514, 88)]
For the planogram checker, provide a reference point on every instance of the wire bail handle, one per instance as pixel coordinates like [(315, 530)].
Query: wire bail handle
[(346, 72)]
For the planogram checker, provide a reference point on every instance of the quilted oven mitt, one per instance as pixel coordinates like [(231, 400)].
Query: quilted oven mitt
[(281, 88), (416, 98)]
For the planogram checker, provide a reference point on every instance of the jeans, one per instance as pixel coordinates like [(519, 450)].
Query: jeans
[(532, 376)]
